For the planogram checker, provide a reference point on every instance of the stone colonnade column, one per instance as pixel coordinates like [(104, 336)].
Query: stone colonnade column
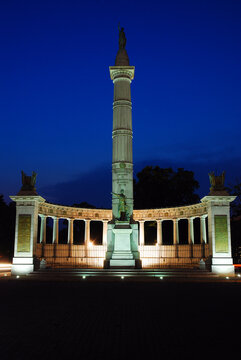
[(141, 233), (70, 231), (191, 235), (42, 229), (175, 236), (159, 232), (55, 238), (203, 229), (70, 235), (104, 235), (175, 232), (87, 232), (190, 231), (203, 238), (42, 239)]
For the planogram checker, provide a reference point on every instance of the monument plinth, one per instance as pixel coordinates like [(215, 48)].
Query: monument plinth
[(122, 238), (219, 232)]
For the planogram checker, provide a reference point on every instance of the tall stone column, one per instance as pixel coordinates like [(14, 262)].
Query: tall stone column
[(122, 241), (122, 162)]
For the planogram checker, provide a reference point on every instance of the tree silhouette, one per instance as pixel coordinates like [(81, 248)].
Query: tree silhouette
[(157, 188), (7, 229)]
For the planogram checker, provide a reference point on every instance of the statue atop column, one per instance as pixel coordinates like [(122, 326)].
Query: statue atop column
[(217, 184), (122, 58), (123, 208), (28, 184), (122, 38)]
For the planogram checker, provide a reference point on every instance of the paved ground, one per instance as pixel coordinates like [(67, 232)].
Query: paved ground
[(118, 319)]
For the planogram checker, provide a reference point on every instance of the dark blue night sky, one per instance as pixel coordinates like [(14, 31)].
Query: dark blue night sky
[(56, 93)]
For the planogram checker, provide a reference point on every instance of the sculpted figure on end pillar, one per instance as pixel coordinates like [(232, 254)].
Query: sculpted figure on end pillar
[(28, 184), (217, 184)]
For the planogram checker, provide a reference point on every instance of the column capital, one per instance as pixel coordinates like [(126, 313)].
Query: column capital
[(55, 218), (117, 72)]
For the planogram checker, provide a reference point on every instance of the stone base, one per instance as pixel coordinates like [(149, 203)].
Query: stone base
[(222, 266), (21, 269), (122, 246), (223, 269), (22, 266), (120, 263)]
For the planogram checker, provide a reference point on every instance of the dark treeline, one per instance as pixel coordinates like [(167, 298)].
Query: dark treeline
[(159, 188), (7, 229)]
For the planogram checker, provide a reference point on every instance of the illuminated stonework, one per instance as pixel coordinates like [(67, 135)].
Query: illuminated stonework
[(214, 245)]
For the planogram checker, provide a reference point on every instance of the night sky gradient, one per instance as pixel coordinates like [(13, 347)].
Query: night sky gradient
[(56, 94)]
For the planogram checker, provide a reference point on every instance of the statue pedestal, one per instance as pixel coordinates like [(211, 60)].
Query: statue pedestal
[(121, 250)]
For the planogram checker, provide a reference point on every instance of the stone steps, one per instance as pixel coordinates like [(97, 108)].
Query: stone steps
[(172, 274)]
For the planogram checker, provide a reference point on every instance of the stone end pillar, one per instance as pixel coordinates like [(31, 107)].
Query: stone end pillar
[(26, 229), (219, 233)]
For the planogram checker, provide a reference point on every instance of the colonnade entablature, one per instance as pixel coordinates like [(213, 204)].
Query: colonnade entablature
[(183, 212)]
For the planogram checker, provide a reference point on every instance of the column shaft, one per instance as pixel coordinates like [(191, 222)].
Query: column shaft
[(203, 226), (175, 232), (70, 231), (43, 229), (55, 230), (190, 231), (159, 232), (87, 232), (104, 236), (142, 233)]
